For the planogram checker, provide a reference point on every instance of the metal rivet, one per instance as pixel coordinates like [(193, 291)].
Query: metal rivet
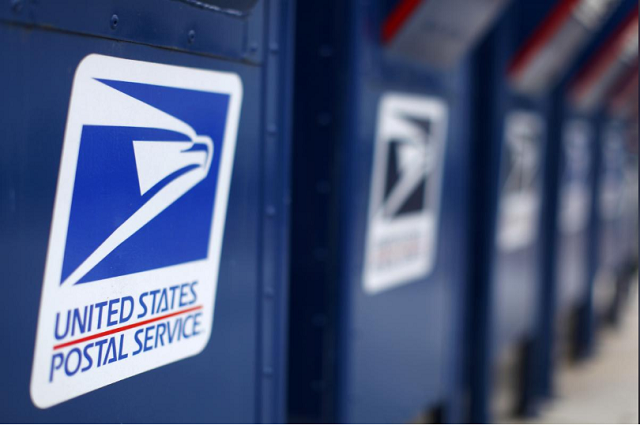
[(270, 211), (318, 385), (324, 119), (320, 254), (253, 46), (191, 36), (319, 320), (274, 47), (325, 51), (16, 5), (114, 22), (323, 187)]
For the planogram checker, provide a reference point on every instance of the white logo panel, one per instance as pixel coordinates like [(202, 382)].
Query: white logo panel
[(520, 192), (405, 191), (132, 266)]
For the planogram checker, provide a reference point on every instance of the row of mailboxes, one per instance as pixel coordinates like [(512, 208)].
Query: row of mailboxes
[(572, 214), (521, 69), (336, 211), (374, 309)]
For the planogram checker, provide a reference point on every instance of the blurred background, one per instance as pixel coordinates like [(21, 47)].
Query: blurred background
[(432, 214)]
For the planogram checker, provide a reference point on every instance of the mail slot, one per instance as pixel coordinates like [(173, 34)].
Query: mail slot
[(142, 210)]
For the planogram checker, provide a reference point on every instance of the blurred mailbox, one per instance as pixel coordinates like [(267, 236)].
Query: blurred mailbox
[(379, 212)]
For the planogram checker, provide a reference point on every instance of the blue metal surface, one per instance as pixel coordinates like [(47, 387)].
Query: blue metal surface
[(240, 376), (506, 295), (572, 246), (219, 34), (357, 357)]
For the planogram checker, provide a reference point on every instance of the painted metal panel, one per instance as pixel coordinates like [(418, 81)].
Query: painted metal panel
[(240, 375), (359, 355)]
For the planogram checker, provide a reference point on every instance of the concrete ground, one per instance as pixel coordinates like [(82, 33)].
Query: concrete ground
[(603, 389)]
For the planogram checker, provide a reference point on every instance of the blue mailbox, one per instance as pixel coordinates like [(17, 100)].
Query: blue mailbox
[(379, 233), (612, 231), (144, 176), (622, 106)]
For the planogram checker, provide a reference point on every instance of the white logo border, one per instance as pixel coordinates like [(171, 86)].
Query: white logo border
[(112, 68)]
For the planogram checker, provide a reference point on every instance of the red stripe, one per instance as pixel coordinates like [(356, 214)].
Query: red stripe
[(550, 26), (605, 55), (626, 89), (397, 18), (125, 328)]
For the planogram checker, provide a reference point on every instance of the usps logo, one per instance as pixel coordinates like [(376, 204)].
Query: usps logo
[(404, 201), (575, 191), (611, 182), (520, 193), (132, 265)]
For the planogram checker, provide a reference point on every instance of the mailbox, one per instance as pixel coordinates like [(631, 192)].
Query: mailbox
[(379, 235), (142, 210)]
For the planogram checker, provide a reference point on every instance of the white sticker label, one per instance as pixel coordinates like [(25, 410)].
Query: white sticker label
[(132, 266), (575, 191), (405, 191), (611, 185), (520, 192)]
